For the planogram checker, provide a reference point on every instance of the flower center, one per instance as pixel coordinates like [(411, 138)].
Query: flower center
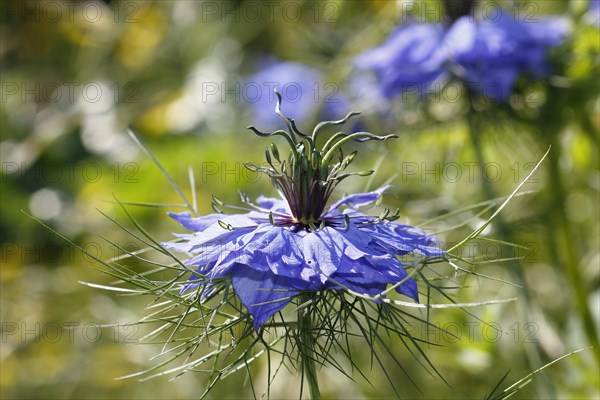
[(307, 178)]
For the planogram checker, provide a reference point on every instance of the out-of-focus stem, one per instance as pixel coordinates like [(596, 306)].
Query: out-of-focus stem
[(307, 351)]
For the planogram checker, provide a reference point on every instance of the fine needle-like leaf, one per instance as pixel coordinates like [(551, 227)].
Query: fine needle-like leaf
[(172, 182), (478, 231), (521, 383)]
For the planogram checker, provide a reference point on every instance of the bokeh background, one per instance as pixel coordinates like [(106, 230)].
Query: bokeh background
[(183, 76)]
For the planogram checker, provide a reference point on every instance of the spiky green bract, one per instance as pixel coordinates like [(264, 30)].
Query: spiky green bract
[(216, 338), (327, 328), (521, 383)]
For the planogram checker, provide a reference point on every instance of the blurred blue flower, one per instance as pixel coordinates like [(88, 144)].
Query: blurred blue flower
[(302, 88), (413, 56), (495, 52), (487, 55), (270, 260)]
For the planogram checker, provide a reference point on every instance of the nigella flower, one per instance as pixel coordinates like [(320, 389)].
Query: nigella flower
[(487, 55), (497, 52), (281, 248), (413, 56), (301, 86)]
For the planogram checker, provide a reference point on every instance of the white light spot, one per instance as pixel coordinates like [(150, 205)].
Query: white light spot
[(45, 204)]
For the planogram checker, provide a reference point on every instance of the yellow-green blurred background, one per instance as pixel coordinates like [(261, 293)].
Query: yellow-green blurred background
[(75, 76)]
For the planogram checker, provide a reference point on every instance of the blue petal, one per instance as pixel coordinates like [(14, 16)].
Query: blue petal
[(550, 31), (272, 204), (401, 239), (409, 289), (262, 293), (357, 242), (218, 235), (282, 251), (343, 281), (411, 56), (359, 199), (195, 224), (371, 275), (322, 252)]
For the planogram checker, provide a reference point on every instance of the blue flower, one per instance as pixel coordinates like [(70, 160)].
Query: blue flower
[(488, 55), (269, 260), (494, 53), (283, 247), (413, 56)]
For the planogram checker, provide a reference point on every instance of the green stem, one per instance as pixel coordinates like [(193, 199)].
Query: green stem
[(306, 348)]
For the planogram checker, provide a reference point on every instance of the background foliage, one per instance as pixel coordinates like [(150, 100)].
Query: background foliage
[(75, 76)]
